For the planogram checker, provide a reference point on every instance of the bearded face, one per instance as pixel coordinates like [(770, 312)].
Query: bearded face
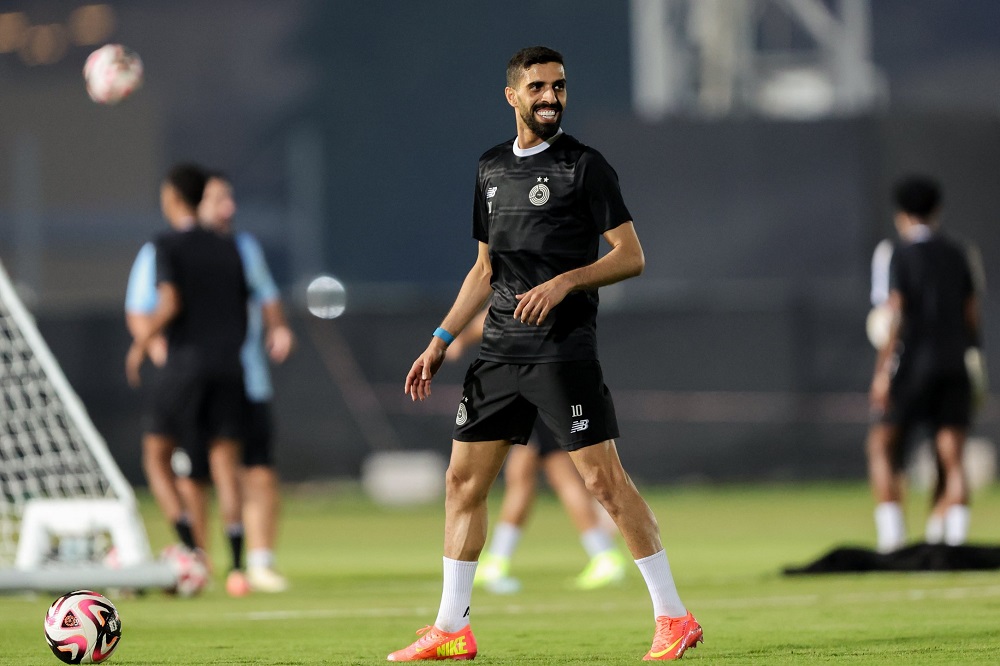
[(540, 99), (543, 118)]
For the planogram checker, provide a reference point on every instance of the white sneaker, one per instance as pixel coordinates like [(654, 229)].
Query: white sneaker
[(266, 579)]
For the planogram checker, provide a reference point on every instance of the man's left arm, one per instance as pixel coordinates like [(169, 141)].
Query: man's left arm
[(624, 260)]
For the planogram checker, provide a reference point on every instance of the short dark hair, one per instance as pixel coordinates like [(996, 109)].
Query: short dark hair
[(526, 57), (919, 196), (189, 181)]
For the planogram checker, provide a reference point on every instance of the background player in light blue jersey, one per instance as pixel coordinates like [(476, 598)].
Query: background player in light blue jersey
[(268, 335)]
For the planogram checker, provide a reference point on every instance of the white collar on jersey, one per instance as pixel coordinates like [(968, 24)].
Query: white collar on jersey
[(534, 150)]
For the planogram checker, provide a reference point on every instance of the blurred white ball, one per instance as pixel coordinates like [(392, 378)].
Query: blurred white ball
[(877, 325), (112, 73), (189, 568), (326, 297)]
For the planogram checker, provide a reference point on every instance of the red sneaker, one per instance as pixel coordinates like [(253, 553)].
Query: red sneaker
[(673, 636), (435, 645)]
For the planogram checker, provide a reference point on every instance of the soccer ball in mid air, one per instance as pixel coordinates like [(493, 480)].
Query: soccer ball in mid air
[(82, 627), (112, 73), (189, 568)]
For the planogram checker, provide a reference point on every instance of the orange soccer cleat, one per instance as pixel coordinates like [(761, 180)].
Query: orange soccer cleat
[(435, 645), (673, 636)]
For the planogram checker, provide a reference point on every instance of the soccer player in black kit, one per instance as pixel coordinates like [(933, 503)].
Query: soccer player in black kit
[(921, 376), (202, 308), (543, 201)]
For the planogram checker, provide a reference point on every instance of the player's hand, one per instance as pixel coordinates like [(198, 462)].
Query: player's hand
[(158, 351), (418, 379), (280, 342), (535, 304), (133, 361)]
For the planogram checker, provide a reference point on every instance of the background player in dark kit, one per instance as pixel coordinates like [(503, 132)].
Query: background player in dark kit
[(202, 297), (180, 193), (921, 374)]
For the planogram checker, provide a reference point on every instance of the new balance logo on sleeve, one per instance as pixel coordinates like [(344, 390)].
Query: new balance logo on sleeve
[(580, 426)]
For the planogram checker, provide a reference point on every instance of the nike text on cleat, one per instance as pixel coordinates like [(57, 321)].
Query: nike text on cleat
[(435, 645), (673, 636)]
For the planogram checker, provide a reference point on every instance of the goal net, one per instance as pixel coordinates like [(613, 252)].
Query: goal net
[(64, 503)]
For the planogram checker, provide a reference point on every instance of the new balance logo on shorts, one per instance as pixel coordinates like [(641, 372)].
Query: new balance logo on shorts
[(582, 424)]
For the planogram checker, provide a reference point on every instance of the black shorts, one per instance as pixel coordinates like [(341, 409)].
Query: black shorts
[(187, 402), (155, 419), (543, 440), (256, 437), (935, 400), (501, 400)]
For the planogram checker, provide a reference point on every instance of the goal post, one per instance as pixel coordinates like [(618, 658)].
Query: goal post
[(64, 502)]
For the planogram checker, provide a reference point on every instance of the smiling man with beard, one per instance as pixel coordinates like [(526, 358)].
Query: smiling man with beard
[(543, 202)]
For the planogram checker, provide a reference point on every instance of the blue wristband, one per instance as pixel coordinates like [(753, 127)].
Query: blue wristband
[(444, 335)]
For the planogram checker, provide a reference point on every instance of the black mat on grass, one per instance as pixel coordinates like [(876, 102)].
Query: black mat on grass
[(918, 557)]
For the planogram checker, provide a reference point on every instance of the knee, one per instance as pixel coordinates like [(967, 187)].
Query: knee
[(601, 486), (464, 487)]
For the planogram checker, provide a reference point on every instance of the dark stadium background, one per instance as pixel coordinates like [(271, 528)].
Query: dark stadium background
[(351, 131)]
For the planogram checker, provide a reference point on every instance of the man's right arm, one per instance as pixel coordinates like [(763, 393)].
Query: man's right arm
[(473, 295)]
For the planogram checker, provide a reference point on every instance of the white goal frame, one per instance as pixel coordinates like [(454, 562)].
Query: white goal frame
[(30, 516)]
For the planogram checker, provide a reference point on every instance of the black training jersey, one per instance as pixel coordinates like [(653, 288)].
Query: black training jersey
[(542, 215), (208, 274), (935, 281)]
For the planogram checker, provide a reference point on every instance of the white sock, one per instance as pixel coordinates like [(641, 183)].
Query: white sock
[(596, 541), (890, 527), (505, 539), (656, 572), (956, 524), (260, 558), (456, 595), (934, 531)]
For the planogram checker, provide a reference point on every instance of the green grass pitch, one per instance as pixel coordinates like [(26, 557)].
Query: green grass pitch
[(365, 578)]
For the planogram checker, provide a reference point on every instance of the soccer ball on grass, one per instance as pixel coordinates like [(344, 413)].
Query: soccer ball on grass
[(82, 627), (189, 567), (112, 73)]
